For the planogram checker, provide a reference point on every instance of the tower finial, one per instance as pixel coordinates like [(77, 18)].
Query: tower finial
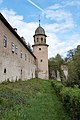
[(39, 20)]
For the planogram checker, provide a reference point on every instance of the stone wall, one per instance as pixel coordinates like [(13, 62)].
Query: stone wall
[(65, 71)]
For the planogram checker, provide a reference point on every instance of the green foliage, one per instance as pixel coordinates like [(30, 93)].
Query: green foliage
[(70, 55), (70, 98), (74, 68), (72, 77), (30, 100), (29, 46), (55, 65), (57, 86)]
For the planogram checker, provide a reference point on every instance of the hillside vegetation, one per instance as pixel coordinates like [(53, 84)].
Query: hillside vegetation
[(70, 98), (30, 100)]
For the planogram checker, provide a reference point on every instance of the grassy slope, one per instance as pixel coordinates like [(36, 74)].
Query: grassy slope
[(30, 100)]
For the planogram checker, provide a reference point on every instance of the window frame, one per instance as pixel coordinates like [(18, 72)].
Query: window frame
[(37, 39), (16, 49), (13, 47), (21, 54), (5, 41), (25, 57), (41, 40)]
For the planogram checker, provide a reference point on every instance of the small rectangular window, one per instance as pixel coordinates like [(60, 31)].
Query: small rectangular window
[(37, 39), (21, 54), (25, 56), (4, 70), (29, 59), (16, 49), (13, 47), (5, 41), (41, 60)]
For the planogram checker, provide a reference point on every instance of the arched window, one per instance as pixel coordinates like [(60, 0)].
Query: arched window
[(37, 39), (45, 40), (41, 39)]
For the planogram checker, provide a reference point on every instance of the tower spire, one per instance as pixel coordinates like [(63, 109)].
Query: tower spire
[(39, 20)]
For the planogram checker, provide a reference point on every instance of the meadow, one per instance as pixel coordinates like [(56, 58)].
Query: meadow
[(34, 99)]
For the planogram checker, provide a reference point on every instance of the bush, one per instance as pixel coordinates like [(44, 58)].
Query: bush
[(70, 98)]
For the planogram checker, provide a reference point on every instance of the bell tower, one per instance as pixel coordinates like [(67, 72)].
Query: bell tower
[(40, 50)]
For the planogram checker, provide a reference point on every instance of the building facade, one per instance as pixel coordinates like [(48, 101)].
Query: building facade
[(17, 61)]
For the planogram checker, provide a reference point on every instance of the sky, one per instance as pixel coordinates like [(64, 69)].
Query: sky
[(59, 18)]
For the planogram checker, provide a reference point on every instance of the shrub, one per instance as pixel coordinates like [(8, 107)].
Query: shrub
[(70, 98)]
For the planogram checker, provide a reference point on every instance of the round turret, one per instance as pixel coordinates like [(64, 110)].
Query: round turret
[(40, 50), (40, 36)]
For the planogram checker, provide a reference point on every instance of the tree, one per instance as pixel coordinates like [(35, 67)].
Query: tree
[(72, 74), (70, 55), (74, 68), (52, 68), (59, 60), (29, 46), (55, 65)]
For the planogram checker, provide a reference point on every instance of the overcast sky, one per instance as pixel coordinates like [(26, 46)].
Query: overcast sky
[(59, 18)]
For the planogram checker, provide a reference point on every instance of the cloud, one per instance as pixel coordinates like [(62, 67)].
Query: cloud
[(63, 20), (27, 30), (71, 3), (57, 15), (11, 15), (17, 21), (56, 45), (35, 5), (55, 6), (61, 28)]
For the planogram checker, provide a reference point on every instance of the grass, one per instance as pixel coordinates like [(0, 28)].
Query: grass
[(30, 100)]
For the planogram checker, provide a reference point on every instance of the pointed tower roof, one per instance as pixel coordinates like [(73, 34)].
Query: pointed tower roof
[(39, 30)]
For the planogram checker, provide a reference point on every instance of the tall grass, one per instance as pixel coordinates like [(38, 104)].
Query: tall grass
[(30, 100)]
